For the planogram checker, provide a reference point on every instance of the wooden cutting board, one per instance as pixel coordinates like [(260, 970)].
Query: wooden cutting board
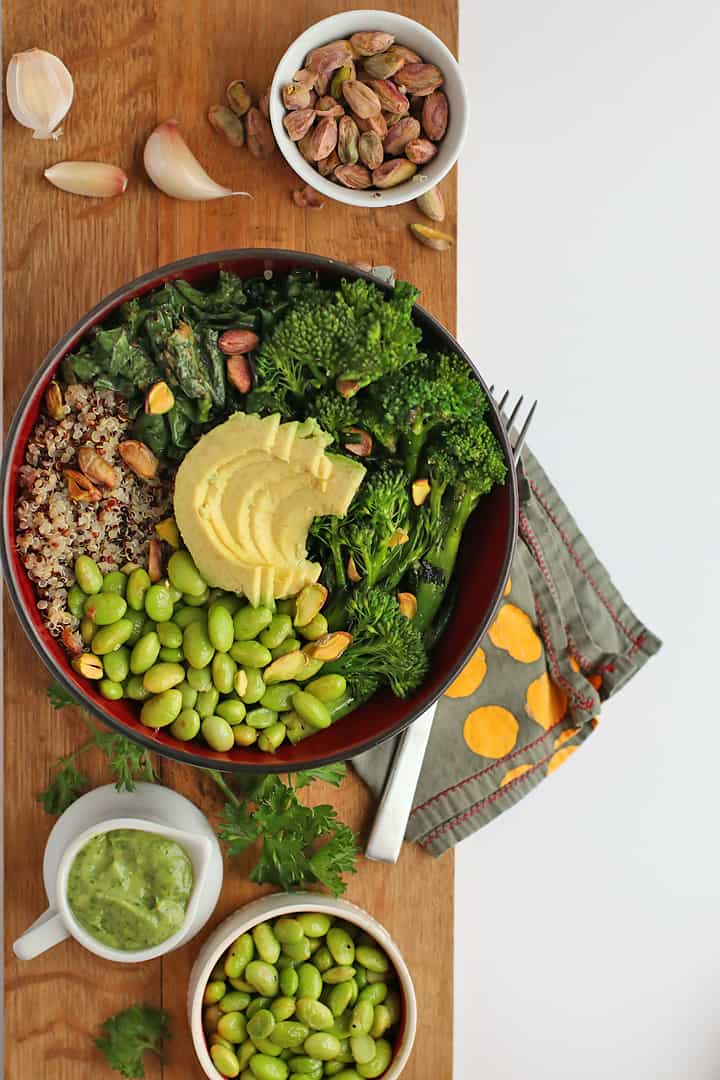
[(135, 64)]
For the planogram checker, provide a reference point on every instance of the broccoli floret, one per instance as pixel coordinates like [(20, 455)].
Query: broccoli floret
[(334, 412), (386, 646), (304, 346), (378, 523), (385, 338)]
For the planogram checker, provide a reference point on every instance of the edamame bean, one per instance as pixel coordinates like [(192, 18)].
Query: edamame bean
[(87, 629), (196, 601), (316, 628), (240, 984), (111, 690), (144, 653), (334, 1068), (256, 1004), (314, 923), (244, 735), (235, 1001), (360, 976), (158, 603), (232, 1026), (289, 1034), (175, 594), (223, 672), (214, 992), (217, 1040), (301, 950), (312, 1012), (137, 618), (217, 733), (271, 738), (322, 959), (249, 685), (211, 1016), (184, 574), (261, 1024), (311, 710), (232, 710), (249, 621), (162, 677), (199, 679), (328, 687), (134, 688), (341, 945), (189, 695), (186, 615), (261, 718), (162, 709), (105, 608), (206, 702), (362, 1018), (171, 656), (278, 696), (264, 1067), (220, 628), (197, 646), (341, 1027), (392, 1004), (109, 638), (322, 1045), (278, 629), (250, 654), (76, 601), (315, 943), (137, 585), (246, 1051), (170, 634), (290, 644), (381, 1021), (338, 974), (117, 664), (283, 1008), (227, 600), (362, 1048), (289, 982), (266, 1046), (288, 931), (310, 984), (267, 945), (306, 1066), (373, 959), (88, 575), (378, 1065), (186, 726), (310, 670), (263, 977), (375, 993), (340, 998), (114, 582), (239, 956), (224, 1060)]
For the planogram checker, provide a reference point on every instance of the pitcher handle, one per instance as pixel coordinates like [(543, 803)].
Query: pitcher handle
[(41, 936)]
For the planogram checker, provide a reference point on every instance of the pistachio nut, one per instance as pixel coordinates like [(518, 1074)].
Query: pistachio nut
[(391, 173), (168, 531), (232, 342), (385, 64), (79, 488), (54, 402), (390, 97), (398, 538), (264, 104), (238, 97), (420, 151), (408, 55), (89, 665), (420, 79), (347, 71), (435, 115), (303, 146), (378, 124), (322, 83), (139, 457), (357, 441), (329, 646), (400, 134), (159, 399), (327, 58), (407, 602), (298, 123), (352, 571), (324, 138), (297, 96), (239, 373), (327, 166), (71, 641), (432, 238), (361, 98), (95, 467), (370, 42), (260, 139), (347, 388), (308, 199), (227, 123), (370, 149), (353, 176), (392, 118), (328, 106), (155, 562), (432, 204), (309, 602), (420, 490), (347, 143), (306, 77)]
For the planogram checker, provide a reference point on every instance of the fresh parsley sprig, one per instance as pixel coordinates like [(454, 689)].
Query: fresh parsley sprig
[(126, 1037), (300, 845)]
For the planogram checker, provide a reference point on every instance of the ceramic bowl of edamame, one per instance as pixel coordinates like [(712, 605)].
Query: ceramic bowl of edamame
[(299, 986)]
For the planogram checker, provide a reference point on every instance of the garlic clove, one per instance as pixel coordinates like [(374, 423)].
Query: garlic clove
[(39, 91), (91, 178), (173, 167)]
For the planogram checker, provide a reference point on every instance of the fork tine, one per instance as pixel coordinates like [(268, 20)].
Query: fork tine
[(514, 413), (520, 441), (503, 399)]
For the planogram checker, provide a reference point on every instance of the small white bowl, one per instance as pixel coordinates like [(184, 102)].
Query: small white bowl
[(416, 37), (59, 924), (272, 907)]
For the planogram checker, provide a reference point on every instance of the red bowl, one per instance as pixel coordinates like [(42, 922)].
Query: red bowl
[(482, 569)]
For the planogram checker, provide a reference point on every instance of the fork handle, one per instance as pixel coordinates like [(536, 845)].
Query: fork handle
[(392, 814)]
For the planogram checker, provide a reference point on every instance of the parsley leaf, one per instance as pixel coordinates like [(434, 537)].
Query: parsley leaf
[(126, 761), (331, 774), (59, 697), (64, 788), (125, 1038)]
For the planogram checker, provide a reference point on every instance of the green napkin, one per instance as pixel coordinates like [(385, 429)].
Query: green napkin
[(562, 642)]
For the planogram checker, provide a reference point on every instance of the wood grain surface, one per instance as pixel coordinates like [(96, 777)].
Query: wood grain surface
[(135, 64)]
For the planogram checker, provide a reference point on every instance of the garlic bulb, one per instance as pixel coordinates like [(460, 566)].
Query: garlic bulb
[(39, 92), (173, 167), (87, 178)]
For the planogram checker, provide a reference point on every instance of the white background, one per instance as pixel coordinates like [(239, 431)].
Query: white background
[(588, 917)]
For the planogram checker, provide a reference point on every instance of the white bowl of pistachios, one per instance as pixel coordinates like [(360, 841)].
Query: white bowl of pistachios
[(369, 108)]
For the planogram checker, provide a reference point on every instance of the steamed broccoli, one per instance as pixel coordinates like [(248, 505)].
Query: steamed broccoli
[(334, 412), (385, 337), (298, 353), (377, 528)]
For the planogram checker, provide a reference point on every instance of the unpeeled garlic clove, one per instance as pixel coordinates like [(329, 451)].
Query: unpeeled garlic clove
[(39, 92), (173, 167), (92, 178)]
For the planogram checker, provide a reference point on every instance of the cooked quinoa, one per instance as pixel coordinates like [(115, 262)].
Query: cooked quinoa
[(53, 530)]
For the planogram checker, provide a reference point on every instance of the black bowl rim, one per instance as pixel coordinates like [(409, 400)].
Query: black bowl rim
[(214, 260)]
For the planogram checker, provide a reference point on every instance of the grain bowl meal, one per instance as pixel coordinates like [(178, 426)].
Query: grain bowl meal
[(241, 504)]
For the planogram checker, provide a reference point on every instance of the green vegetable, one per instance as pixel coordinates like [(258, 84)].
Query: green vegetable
[(59, 697), (126, 1037)]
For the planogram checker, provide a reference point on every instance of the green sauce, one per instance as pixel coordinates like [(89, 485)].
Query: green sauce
[(130, 889)]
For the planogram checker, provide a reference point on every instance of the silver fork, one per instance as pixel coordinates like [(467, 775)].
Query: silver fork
[(391, 817)]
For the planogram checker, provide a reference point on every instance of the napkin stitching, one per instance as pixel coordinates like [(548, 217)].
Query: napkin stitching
[(637, 642), (532, 540), (585, 703)]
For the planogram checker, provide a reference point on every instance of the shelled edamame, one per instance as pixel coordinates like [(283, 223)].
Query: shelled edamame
[(271, 1016), (204, 663)]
